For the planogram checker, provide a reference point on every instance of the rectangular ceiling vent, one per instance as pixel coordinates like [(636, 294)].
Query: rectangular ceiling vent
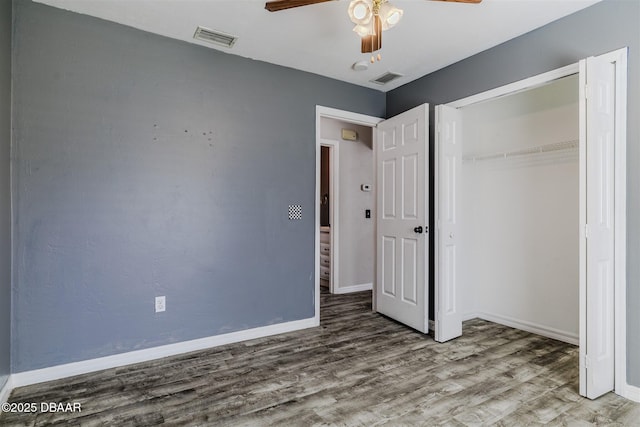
[(386, 78), (215, 37)]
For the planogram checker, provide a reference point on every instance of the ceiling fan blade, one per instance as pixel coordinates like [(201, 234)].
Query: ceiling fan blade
[(461, 1), (276, 5)]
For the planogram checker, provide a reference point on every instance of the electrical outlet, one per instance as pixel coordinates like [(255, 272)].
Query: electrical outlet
[(161, 304)]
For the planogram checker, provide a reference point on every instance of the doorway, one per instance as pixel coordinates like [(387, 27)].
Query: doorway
[(344, 219)]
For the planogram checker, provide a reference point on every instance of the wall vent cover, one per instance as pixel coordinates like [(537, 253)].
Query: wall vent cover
[(215, 37), (386, 78)]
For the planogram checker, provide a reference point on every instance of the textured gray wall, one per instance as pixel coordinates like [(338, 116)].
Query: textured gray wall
[(598, 29), (147, 166), (5, 189)]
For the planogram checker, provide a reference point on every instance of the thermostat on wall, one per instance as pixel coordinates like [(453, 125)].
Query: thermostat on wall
[(365, 187)]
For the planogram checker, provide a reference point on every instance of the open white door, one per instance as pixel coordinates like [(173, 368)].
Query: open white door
[(597, 123), (402, 217), (448, 158)]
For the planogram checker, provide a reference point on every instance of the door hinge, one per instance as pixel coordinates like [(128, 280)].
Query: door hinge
[(586, 91), (587, 231), (587, 362)]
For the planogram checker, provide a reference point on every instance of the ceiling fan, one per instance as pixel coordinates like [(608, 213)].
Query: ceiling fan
[(371, 18)]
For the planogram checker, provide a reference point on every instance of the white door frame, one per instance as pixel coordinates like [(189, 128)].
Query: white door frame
[(618, 57), (348, 117)]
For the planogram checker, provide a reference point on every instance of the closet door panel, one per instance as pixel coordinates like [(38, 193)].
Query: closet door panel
[(598, 344), (448, 153)]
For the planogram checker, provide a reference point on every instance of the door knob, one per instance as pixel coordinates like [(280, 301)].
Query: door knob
[(418, 229)]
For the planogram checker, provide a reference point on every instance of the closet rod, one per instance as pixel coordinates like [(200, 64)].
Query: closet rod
[(557, 146)]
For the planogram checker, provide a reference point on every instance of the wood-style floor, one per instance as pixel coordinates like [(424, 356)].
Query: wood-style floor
[(357, 369)]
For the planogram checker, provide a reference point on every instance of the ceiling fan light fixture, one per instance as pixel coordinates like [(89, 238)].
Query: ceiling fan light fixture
[(362, 30), (360, 12), (390, 15)]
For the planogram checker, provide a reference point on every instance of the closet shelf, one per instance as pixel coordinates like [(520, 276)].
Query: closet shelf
[(557, 146)]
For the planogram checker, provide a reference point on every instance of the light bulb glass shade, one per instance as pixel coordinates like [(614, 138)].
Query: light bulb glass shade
[(363, 30), (360, 12), (390, 15)]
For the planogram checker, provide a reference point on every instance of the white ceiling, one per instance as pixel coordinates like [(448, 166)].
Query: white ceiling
[(319, 38)]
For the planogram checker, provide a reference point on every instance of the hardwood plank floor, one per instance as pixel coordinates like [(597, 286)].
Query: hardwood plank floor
[(357, 369)]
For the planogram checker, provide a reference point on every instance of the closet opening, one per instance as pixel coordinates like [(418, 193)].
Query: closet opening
[(519, 210), (511, 165)]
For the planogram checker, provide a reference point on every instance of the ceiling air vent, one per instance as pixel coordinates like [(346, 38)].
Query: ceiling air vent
[(215, 37), (386, 78)]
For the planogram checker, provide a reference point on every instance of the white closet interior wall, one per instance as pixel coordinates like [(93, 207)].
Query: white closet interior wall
[(519, 224)]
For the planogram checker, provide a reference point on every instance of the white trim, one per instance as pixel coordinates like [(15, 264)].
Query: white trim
[(345, 116), (532, 327), (582, 221), (5, 392), (374, 218), (628, 391), (77, 368), (619, 57), (512, 88), (354, 288), (469, 316), (316, 251)]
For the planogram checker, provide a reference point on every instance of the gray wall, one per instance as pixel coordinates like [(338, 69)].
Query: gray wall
[(146, 166), (598, 29), (5, 189)]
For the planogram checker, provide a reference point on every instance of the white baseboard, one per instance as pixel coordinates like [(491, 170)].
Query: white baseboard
[(469, 316), (545, 331), (77, 368), (354, 288), (629, 391), (6, 390)]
